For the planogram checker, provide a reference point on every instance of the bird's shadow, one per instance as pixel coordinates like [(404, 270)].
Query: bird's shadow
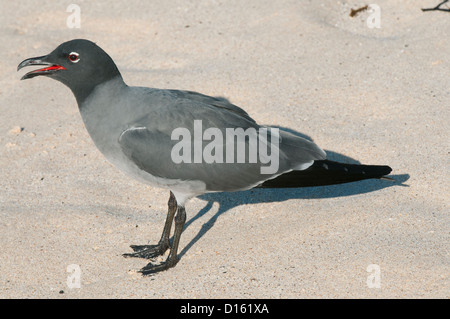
[(229, 200)]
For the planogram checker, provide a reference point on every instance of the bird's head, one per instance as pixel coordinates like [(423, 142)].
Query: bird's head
[(79, 64)]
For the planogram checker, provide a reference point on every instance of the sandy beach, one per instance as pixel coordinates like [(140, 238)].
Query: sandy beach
[(371, 89)]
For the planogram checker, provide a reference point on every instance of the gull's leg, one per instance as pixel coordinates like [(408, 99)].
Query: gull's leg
[(152, 251), (172, 259)]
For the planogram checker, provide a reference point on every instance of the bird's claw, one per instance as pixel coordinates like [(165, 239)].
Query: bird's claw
[(152, 268), (147, 251)]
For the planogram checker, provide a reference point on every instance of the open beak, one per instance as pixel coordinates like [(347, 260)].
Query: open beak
[(48, 70)]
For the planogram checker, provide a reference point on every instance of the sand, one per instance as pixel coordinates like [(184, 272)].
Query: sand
[(369, 95)]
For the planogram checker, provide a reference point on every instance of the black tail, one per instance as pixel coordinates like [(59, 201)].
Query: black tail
[(326, 172)]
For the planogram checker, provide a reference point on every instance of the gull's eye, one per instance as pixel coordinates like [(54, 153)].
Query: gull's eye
[(74, 57)]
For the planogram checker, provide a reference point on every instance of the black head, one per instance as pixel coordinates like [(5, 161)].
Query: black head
[(79, 64)]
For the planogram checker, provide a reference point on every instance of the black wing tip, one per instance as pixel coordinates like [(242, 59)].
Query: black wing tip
[(385, 170), (325, 172)]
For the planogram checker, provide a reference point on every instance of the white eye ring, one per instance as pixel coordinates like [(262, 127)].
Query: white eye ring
[(74, 60)]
